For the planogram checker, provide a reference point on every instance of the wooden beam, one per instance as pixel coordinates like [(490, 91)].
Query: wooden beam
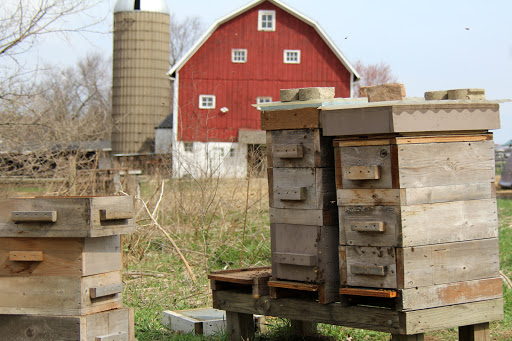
[(475, 332), (240, 327)]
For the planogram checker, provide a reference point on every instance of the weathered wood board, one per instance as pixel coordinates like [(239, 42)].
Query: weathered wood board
[(305, 253), (74, 216), (418, 165), (403, 117), (299, 148), (60, 256), (302, 188), (322, 217), (300, 118), (449, 294), (411, 267), (59, 295), (113, 325), (416, 225)]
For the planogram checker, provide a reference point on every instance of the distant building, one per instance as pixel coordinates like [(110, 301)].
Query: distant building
[(245, 58)]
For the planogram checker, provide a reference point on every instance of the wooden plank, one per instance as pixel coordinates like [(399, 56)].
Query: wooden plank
[(106, 290), (310, 188), (239, 326), (113, 337), (384, 320), (75, 218), (367, 226), (61, 256), (373, 267), (374, 161), (448, 263), (294, 258), (241, 276), (34, 216), (301, 118), (426, 320), (293, 285), (288, 151), (448, 222), (475, 332), (443, 164), (303, 216), (117, 321), (450, 294), (368, 197), (361, 172), (437, 194), (110, 282), (26, 256), (413, 140), (368, 292), (116, 213), (303, 328)]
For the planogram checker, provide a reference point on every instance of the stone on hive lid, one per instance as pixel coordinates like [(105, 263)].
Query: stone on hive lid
[(385, 92)]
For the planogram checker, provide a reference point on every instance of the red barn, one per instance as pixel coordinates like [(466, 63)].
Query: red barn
[(246, 58)]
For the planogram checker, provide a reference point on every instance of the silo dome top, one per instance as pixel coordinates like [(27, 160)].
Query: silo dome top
[(141, 5)]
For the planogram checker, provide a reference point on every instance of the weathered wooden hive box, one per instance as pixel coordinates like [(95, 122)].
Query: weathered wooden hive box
[(417, 207), (61, 267)]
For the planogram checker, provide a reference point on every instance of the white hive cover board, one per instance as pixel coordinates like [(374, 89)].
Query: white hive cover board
[(159, 6)]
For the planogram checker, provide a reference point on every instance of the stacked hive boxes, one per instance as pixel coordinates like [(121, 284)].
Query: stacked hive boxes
[(60, 273), (303, 213), (417, 207)]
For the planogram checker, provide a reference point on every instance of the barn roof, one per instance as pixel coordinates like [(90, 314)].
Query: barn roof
[(250, 5)]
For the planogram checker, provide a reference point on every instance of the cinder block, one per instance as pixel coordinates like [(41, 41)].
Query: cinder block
[(385, 92), (474, 94), (362, 91), (316, 93), (436, 95), (288, 95)]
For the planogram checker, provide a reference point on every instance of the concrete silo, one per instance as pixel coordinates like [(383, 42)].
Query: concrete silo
[(141, 90)]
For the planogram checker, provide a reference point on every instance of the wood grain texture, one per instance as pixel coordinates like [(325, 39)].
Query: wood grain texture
[(314, 185), (302, 118), (376, 159), (475, 332), (304, 217), (373, 267), (384, 320), (368, 292), (76, 217), (448, 263), (426, 320), (65, 296), (239, 326), (61, 256), (450, 294)]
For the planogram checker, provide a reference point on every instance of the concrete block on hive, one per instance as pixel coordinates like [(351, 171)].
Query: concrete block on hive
[(474, 94), (306, 94), (288, 95), (436, 95), (385, 92)]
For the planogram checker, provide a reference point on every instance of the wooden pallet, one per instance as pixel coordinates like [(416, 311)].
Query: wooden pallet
[(250, 280), (323, 292)]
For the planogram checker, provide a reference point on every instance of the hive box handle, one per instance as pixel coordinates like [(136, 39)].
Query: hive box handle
[(113, 337), (34, 216), (294, 258), (290, 193), (288, 151), (361, 173), (106, 290), (368, 270), (26, 256), (367, 226), (115, 214)]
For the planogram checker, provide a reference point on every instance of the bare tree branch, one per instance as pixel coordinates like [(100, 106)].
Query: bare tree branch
[(183, 35), (373, 74)]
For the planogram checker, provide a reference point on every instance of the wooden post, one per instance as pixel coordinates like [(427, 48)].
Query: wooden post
[(476, 332), (416, 337), (240, 327), (303, 327)]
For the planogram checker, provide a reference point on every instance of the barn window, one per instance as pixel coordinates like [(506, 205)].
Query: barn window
[(260, 100), (292, 56), (232, 152), (136, 6), (188, 146), (267, 21), (206, 102), (239, 55)]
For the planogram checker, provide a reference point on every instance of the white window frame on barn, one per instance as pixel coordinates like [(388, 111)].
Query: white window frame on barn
[(263, 99), (266, 20), (291, 56), (188, 147), (206, 101), (239, 55)]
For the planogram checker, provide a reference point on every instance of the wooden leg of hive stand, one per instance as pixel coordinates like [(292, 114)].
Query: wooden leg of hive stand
[(240, 327), (416, 337), (303, 327), (476, 332)]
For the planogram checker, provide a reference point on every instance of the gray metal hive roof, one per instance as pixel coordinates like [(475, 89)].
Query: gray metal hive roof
[(159, 6)]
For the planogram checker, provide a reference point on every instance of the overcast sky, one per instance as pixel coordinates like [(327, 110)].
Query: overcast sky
[(430, 45)]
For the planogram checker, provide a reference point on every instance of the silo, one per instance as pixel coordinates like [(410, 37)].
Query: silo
[(141, 90)]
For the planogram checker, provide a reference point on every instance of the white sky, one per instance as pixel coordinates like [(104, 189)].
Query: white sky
[(426, 43)]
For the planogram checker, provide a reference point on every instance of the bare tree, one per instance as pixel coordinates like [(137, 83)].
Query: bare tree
[(23, 23), (184, 33), (373, 74)]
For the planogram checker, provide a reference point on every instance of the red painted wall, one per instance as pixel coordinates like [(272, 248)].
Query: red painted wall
[(237, 85)]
